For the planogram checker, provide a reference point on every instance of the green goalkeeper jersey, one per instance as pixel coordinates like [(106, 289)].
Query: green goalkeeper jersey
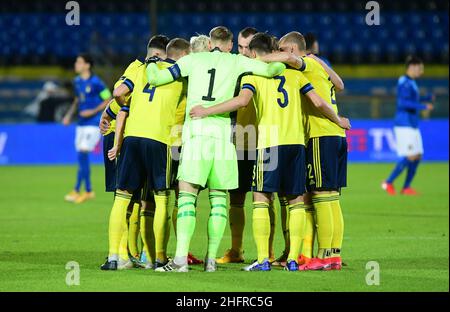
[(212, 78)]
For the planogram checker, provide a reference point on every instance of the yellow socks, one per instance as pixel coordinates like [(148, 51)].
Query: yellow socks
[(237, 223), (160, 225), (324, 223), (133, 231), (261, 229), (297, 220), (310, 232), (272, 217), (117, 223), (123, 247), (338, 227), (285, 222), (147, 235)]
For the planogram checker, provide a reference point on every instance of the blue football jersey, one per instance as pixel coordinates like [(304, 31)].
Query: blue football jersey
[(90, 93), (408, 103)]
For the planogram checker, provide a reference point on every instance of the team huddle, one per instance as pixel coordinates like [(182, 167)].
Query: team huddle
[(194, 116)]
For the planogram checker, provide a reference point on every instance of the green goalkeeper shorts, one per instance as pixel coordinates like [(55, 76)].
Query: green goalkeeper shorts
[(209, 162)]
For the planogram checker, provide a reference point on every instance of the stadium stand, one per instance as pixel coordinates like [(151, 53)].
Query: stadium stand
[(39, 35)]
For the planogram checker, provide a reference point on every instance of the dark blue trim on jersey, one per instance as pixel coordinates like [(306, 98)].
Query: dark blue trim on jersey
[(175, 71), (249, 87), (170, 61), (306, 88), (129, 84), (303, 65), (125, 109), (110, 113)]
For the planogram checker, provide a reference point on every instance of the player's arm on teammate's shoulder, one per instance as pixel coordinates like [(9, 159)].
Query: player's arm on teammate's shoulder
[(259, 68), (284, 57), (335, 78), (327, 110), (235, 103), (68, 116), (157, 77), (118, 138)]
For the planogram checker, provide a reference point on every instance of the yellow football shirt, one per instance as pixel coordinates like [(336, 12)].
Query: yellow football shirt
[(245, 134), (177, 129), (152, 111), (278, 105), (115, 107), (316, 124)]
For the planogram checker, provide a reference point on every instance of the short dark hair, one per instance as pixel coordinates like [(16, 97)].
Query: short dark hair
[(221, 33), (178, 45), (248, 31), (158, 42), (87, 58), (310, 39), (275, 40), (413, 60), (262, 42)]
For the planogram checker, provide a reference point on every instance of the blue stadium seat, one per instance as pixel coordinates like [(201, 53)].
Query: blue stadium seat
[(343, 33)]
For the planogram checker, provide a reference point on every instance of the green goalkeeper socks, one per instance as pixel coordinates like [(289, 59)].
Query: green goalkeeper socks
[(217, 221), (185, 225)]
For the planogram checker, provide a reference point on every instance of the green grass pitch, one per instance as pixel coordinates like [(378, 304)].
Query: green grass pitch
[(40, 233)]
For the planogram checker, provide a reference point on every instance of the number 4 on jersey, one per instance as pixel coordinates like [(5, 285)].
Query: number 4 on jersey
[(151, 91)]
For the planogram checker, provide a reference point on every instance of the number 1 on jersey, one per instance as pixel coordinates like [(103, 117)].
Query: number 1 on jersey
[(209, 97)]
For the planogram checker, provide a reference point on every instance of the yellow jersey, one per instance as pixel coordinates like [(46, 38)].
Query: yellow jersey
[(245, 136), (114, 107), (316, 124), (278, 105), (152, 112), (180, 114)]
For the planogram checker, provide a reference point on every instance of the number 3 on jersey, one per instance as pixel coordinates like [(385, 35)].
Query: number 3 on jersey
[(282, 90), (151, 91)]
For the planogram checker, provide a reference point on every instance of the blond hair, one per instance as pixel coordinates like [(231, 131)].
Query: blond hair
[(200, 43)]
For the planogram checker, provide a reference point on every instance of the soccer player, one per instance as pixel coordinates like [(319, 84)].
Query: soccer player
[(326, 158), (208, 158), (200, 43), (312, 47), (280, 163), (244, 38), (137, 221), (145, 156), (91, 98), (245, 141), (129, 241), (407, 133)]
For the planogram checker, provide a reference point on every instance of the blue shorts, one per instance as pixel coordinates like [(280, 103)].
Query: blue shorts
[(326, 161), (110, 166), (246, 161), (280, 169), (144, 161)]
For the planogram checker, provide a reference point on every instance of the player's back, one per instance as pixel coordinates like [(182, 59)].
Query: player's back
[(278, 107), (212, 80), (316, 123), (114, 107), (153, 109)]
